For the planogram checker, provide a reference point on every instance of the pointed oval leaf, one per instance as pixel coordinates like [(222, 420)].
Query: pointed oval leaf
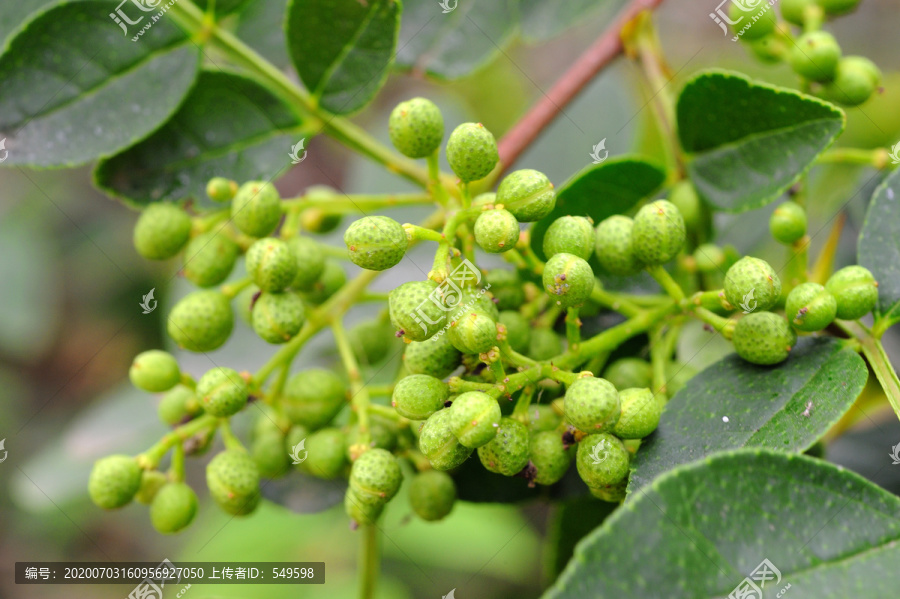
[(260, 27), (879, 246), (701, 529), (747, 141), (764, 407)]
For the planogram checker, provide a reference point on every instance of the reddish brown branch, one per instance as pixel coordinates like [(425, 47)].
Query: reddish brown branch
[(588, 65)]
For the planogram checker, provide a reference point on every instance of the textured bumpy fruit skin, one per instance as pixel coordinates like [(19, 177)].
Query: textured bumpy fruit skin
[(173, 508), (326, 457), (658, 233), (161, 231), (220, 189), (314, 397), (506, 287), (269, 455), (792, 10), (614, 246), (629, 372), (151, 482), (570, 235), (414, 312), (359, 511), (592, 405), (201, 321), (518, 330), (114, 481), (770, 48), (256, 208), (544, 345), (855, 290), (613, 493), (438, 443), (209, 258), (788, 222), (154, 371), (507, 453), (418, 396), (474, 418), (432, 495), (310, 262), (763, 338), (815, 56), (376, 242), (810, 307), (271, 264), (375, 476), (277, 317), (332, 278), (763, 26), (474, 332), (472, 152), (753, 283), (610, 455), (480, 300), (528, 194), (640, 414), (496, 231), (233, 482), (568, 280), (550, 457), (855, 80), (436, 357), (416, 127), (222, 392)]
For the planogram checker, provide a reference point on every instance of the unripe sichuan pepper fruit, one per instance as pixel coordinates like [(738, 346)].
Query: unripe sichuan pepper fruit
[(256, 208), (568, 280), (752, 283), (233, 481), (416, 127), (472, 152), (528, 194), (161, 231), (614, 245), (570, 235), (659, 232), (810, 307), (418, 396), (763, 338), (496, 231), (376, 242), (154, 371), (855, 290), (271, 264)]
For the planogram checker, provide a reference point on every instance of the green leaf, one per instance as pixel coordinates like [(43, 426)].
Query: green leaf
[(83, 90), (570, 522), (765, 407), (701, 529), (260, 27), (747, 141), (879, 246), (343, 50), (450, 45), (600, 191), (545, 19), (15, 14), (229, 126)]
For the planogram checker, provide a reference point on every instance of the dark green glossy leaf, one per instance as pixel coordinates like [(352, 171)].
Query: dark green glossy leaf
[(261, 28), (343, 49), (879, 246), (571, 522), (15, 14), (747, 141), (229, 126), (701, 529), (764, 407)]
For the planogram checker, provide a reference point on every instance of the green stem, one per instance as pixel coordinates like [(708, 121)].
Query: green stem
[(150, 458), (384, 411), (417, 233), (666, 281), (798, 259), (232, 289), (878, 158), (573, 328), (658, 361), (520, 412), (614, 301), (359, 392), (434, 179), (177, 469), (338, 204), (369, 561), (880, 363), (723, 325)]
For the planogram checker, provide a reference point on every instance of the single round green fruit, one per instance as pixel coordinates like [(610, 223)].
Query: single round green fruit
[(472, 152), (544, 345), (416, 127), (479, 300), (474, 332), (770, 49), (222, 392), (375, 476), (360, 511), (154, 371), (568, 279), (788, 223), (151, 482), (763, 338), (209, 259), (474, 418), (326, 456), (710, 258), (418, 396), (496, 231), (233, 481), (310, 262), (269, 455), (508, 451), (528, 194), (173, 508), (614, 246), (763, 25), (518, 330), (201, 321), (810, 307), (432, 495), (220, 189), (331, 280), (417, 309), (550, 457), (815, 56), (658, 233), (640, 414), (314, 397), (372, 341), (752, 284), (435, 357), (256, 208), (114, 481), (507, 287), (161, 231), (438, 443), (613, 493), (625, 373), (570, 235), (792, 11), (543, 418), (592, 405), (178, 405), (602, 460), (684, 197), (277, 317), (376, 242), (855, 290), (271, 264), (856, 79)]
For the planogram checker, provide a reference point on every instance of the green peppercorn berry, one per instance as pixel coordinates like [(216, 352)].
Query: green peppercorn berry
[(855, 81), (506, 286), (417, 310), (615, 247), (793, 11), (602, 460), (659, 233), (327, 457), (360, 511), (330, 281), (855, 290), (295, 435), (220, 189), (496, 231), (518, 330), (233, 481), (612, 493), (201, 321), (838, 7), (375, 476), (752, 284), (416, 127), (528, 194), (592, 405), (161, 231), (473, 332), (438, 443), (625, 373), (256, 208), (269, 455), (684, 197), (271, 264), (317, 220), (474, 418), (154, 370), (114, 481), (432, 495), (178, 405), (508, 451), (372, 341), (568, 279), (277, 317), (244, 302), (550, 457), (376, 242), (479, 300), (544, 345), (815, 56), (209, 258), (436, 357), (810, 307), (640, 414), (173, 508), (710, 258), (763, 338), (484, 199), (543, 418), (418, 396), (314, 397), (151, 482), (472, 152), (762, 26), (570, 235), (771, 49), (788, 223), (222, 392)]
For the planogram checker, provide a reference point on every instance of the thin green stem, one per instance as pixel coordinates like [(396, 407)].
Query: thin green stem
[(520, 411), (435, 185), (878, 158), (417, 233), (798, 261), (176, 472), (359, 392), (874, 352), (383, 411), (613, 301), (232, 289), (723, 325), (573, 328), (369, 561), (666, 281), (342, 204), (150, 458)]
